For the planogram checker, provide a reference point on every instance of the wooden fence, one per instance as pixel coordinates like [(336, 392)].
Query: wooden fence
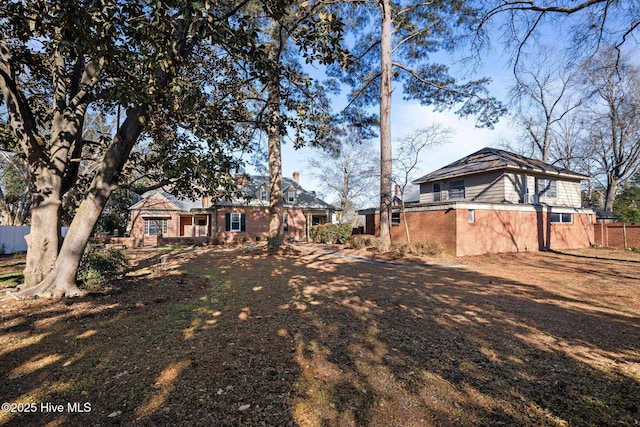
[(617, 235)]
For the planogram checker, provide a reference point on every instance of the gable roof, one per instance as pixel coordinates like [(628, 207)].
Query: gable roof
[(490, 159), (250, 188), (183, 205), (303, 200)]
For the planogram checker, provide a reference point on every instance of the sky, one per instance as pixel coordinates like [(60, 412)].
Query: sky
[(409, 116)]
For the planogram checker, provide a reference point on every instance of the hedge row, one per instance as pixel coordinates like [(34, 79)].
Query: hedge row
[(331, 233)]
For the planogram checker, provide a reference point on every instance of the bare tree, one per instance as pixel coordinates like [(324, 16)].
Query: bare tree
[(350, 175), (613, 120), (407, 158), (590, 24), (542, 98)]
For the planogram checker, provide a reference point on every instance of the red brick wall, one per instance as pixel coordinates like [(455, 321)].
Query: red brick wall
[(498, 231), (613, 235), (493, 231), (425, 226), (579, 234), (428, 226), (519, 231), (257, 224)]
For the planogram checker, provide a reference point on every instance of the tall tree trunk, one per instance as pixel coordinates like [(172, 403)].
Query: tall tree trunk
[(47, 190), (43, 240), (610, 196), (61, 280), (385, 126), (276, 204), (275, 237)]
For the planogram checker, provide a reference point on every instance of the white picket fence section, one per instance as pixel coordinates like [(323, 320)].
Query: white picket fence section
[(12, 238)]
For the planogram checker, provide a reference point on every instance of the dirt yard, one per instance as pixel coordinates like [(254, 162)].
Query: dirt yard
[(241, 337)]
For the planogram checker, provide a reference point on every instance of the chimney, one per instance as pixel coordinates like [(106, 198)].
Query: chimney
[(296, 176), (241, 179), (398, 190)]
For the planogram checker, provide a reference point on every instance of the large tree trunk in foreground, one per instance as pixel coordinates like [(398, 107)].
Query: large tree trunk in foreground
[(43, 240), (275, 237), (61, 280), (276, 205), (385, 126)]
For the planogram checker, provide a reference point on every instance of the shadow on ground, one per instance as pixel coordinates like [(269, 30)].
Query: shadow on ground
[(241, 337)]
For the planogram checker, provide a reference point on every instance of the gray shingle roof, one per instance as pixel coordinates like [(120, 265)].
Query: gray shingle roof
[(303, 200), (183, 205), (488, 159)]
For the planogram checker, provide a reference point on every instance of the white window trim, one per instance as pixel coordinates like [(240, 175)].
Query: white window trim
[(161, 223), (395, 218), (235, 219), (562, 218)]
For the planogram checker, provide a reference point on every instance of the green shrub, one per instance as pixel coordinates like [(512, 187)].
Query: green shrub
[(324, 233), (101, 268), (343, 233), (331, 233)]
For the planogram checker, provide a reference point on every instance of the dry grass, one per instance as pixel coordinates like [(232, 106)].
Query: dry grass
[(305, 337)]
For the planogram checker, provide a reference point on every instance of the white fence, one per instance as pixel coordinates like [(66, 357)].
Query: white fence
[(12, 238)]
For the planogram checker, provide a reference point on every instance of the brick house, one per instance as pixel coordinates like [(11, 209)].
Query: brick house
[(159, 213), (495, 201)]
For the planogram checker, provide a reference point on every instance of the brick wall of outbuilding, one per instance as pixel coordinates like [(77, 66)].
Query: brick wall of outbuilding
[(579, 234), (493, 230), (496, 231), (428, 226)]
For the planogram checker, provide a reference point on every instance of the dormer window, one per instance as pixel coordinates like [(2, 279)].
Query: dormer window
[(264, 196), (291, 196)]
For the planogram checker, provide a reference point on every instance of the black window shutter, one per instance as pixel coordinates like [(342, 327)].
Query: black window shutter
[(243, 222), (227, 222)]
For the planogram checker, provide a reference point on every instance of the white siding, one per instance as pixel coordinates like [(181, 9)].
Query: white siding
[(507, 187), (518, 186), (567, 194)]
